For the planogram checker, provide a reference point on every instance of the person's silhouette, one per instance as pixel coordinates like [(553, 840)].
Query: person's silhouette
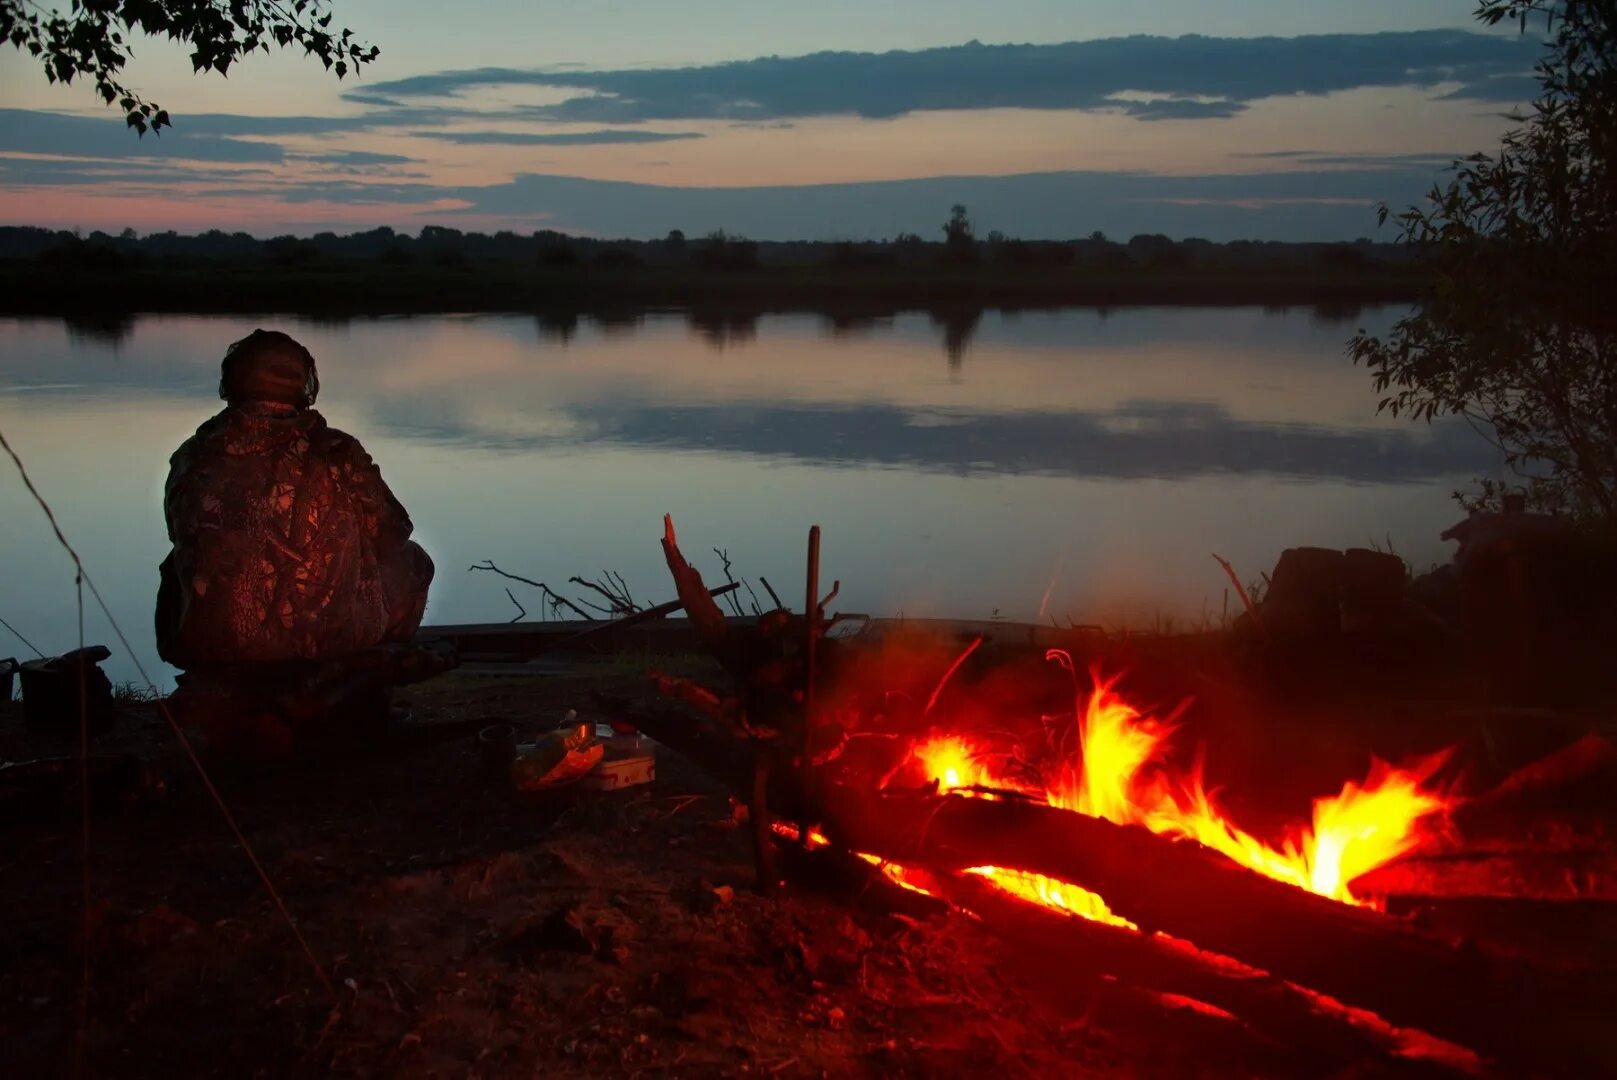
[(287, 544)]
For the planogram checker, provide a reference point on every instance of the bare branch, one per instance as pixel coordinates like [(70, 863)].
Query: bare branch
[(554, 598), (767, 588), (1246, 598)]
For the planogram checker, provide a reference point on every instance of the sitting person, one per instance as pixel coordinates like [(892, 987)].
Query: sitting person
[(289, 553)]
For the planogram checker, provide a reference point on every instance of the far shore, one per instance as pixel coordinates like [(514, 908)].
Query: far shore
[(344, 286)]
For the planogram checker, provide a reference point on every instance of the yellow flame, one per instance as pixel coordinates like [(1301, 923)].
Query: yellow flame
[(1360, 828), (1051, 893), (952, 762)]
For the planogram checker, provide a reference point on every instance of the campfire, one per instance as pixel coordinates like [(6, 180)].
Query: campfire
[(1117, 771), (1085, 833)]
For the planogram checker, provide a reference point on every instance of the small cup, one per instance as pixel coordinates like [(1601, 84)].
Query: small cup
[(497, 748)]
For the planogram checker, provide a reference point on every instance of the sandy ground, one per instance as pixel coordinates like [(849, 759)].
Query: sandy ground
[(467, 929)]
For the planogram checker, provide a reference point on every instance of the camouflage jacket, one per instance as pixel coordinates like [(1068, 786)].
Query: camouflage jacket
[(278, 523)]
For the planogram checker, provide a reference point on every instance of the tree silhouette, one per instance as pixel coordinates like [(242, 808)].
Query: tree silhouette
[(958, 231), (93, 40), (1519, 335)]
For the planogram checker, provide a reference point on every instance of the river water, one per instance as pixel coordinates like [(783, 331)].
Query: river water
[(1080, 464)]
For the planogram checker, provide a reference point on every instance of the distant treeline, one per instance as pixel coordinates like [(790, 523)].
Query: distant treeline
[(445, 246), (442, 268)]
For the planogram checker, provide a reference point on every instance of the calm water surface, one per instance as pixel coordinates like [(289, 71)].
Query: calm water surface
[(1076, 463)]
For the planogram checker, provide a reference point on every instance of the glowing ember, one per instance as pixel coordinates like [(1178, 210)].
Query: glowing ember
[(1051, 893), (951, 761), (1362, 827)]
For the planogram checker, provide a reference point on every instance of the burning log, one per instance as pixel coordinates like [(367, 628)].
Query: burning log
[(1507, 875), (1493, 1004), (1497, 1006), (1528, 1017), (1276, 1010)]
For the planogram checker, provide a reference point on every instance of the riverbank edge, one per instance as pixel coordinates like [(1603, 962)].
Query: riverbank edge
[(367, 288)]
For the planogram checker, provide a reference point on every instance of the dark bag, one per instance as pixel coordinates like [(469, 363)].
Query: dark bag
[(51, 693)]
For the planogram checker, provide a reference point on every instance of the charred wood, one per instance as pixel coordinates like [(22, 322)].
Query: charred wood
[(1496, 1005), (1078, 948)]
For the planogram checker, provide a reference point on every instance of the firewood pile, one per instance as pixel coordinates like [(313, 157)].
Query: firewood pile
[(838, 746)]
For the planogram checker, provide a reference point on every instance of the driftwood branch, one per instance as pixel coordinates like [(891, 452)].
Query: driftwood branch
[(618, 603), (522, 612), (757, 608), (623, 622), (623, 588), (724, 564), (552, 597), (704, 613)]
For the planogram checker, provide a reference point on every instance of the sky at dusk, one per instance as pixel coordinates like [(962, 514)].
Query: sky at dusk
[(1224, 119)]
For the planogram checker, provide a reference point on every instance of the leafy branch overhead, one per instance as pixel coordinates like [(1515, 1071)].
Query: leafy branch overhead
[(1518, 333), (93, 39)]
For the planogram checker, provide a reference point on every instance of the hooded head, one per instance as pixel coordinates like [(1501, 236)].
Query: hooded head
[(269, 366)]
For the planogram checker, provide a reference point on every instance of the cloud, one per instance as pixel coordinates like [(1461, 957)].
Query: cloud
[(359, 98), (1289, 204), (408, 198), (230, 124), (28, 131), (232, 137), (34, 172), (1181, 109), (1192, 76), (567, 138), (1502, 89), (357, 157), (1429, 160)]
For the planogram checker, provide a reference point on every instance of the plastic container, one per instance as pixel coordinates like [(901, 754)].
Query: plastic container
[(557, 757)]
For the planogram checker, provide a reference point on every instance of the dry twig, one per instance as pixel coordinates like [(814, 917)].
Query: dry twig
[(552, 597), (1246, 598)]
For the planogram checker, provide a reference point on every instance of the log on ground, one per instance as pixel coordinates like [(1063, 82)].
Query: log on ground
[(1333, 1037), (1499, 1006)]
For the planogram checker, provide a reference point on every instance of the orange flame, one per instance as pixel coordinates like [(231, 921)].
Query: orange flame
[(1352, 832)]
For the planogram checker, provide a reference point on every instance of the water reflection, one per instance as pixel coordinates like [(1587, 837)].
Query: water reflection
[(110, 329), (1132, 440), (1128, 407), (559, 326), (724, 329), (958, 324), (1157, 439)]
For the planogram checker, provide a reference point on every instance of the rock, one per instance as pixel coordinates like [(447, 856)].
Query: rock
[(1373, 590), (1304, 597), (1320, 593), (1373, 579)]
